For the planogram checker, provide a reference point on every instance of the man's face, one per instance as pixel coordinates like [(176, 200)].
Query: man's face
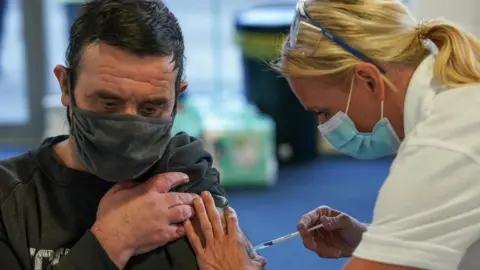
[(113, 81)]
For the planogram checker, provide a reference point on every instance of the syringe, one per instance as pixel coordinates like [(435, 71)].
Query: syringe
[(283, 238)]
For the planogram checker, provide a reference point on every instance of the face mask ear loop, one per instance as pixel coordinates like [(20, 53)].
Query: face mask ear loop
[(381, 110), (350, 96)]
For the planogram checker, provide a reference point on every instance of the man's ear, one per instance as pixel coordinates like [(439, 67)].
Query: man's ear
[(183, 86), (62, 77), (367, 76)]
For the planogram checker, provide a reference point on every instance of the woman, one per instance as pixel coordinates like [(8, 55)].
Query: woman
[(383, 83)]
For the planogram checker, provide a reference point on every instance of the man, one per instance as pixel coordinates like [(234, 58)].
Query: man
[(99, 198)]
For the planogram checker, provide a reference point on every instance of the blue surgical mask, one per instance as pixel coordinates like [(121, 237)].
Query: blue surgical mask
[(341, 132)]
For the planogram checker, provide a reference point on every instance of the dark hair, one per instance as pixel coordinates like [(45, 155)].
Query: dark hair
[(141, 27)]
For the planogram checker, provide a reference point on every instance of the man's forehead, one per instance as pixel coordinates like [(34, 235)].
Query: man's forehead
[(102, 56)]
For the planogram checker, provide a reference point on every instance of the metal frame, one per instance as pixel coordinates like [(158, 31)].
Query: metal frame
[(29, 135)]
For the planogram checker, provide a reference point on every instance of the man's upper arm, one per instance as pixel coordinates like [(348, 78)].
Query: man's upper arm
[(221, 211), (8, 181), (187, 155), (248, 244), (427, 212), (7, 257)]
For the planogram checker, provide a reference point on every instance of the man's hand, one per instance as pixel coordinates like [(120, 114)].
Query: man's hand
[(134, 219), (338, 237)]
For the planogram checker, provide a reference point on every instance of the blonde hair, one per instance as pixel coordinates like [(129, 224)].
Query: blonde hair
[(386, 32)]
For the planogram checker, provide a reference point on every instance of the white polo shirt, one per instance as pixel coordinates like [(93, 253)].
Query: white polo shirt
[(427, 213)]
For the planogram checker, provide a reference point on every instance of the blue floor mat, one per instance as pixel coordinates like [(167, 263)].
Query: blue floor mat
[(342, 183)]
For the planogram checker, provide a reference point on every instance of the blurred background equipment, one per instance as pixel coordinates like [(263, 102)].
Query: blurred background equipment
[(220, 71), (188, 117), (260, 34), (241, 141)]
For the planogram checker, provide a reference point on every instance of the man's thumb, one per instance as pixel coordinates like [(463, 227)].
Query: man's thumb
[(334, 223), (126, 184), (164, 182)]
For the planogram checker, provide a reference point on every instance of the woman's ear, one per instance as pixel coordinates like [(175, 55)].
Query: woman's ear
[(368, 77)]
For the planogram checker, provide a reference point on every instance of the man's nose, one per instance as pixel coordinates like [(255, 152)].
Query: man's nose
[(131, 109)]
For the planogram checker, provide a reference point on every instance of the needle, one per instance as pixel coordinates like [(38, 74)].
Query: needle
[(283, 238)]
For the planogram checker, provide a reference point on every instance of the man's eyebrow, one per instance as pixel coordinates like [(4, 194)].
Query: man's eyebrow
[(105, 94), (102, 93), (157, 100)]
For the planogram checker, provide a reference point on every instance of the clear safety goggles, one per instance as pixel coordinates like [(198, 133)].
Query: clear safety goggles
[(302, 19)]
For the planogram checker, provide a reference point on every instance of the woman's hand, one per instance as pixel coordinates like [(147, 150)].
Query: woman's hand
[(224, 249), (338, 237)]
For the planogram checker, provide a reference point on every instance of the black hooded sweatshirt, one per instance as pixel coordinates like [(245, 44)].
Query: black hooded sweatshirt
[(47, 210)]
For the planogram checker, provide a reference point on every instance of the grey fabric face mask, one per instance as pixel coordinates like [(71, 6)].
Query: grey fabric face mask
[(119, 147)]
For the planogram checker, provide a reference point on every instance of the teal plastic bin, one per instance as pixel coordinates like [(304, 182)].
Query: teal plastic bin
[(260, 34)]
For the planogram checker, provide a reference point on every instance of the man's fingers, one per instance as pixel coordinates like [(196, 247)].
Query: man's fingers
[(213, 214), (193, 238), (180, 230), (180, 213), (171, 233), (233, 228), (164, 182), (177, 198)]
